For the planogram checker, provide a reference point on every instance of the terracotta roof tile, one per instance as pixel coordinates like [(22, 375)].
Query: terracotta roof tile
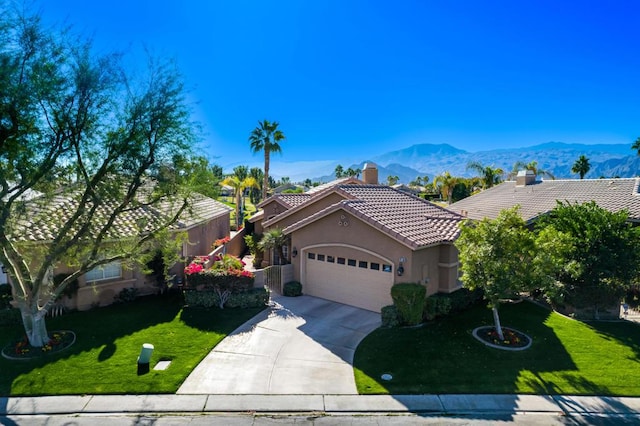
[(540, 197), (408, 219)]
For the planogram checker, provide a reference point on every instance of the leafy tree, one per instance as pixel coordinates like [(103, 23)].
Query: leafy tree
[(239, 186), (308, 183), (339, 172), (444, 184), (392, 180), (63, 107), (266, 137), (581, 166), (202, 177), (489, 175), (274, 239), (636, 146), (604, 256), (502, 257)]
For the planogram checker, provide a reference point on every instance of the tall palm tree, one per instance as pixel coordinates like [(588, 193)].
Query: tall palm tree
[(445, 183), (581, 166), (339, 172), (489, 175), (636, 146), (392, 180), (274, 239), (265, 137), (238, 188)]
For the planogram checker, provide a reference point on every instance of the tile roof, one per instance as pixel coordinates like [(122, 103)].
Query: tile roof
[(413, 221), (540, 197), (341, 181), (44, 217)]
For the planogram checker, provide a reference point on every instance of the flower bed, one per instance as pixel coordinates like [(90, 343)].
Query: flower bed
[(513, 339), (21, 349)]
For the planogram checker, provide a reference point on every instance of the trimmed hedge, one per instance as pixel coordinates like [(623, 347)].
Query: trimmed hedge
[(253, 298), (214, 278), (435, 307), (390, 316), (443, 304), (409, 299), (292, 289)]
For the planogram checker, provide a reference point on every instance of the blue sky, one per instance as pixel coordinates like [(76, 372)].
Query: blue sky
[(353, 79)]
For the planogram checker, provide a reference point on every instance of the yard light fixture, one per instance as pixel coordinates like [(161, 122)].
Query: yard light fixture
[(401, 266)]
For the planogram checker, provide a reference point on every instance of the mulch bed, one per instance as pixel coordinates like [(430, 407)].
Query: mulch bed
[(513, 339), (22, 350)]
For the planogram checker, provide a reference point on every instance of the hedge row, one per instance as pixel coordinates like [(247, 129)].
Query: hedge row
[(253, 298), (210, 278)]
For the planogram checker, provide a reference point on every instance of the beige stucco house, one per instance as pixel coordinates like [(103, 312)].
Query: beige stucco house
[(205, 221), (351, 240)]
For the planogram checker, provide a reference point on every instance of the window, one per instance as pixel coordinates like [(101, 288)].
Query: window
[(375, 266), (351, 262), (363, 264), (331, 259), (321, 257), (341, 260), (386, 268), (104, 272), (311, 255)]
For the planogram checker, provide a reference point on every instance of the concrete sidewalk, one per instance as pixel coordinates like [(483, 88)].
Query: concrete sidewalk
[(324, 404)]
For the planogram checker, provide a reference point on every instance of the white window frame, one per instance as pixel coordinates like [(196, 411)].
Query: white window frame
[(107, 271)]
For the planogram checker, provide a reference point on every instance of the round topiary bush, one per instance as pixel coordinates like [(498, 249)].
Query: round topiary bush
[(292, 289)]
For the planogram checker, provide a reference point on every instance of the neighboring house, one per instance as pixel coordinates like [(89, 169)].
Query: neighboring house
[(205, 221), (413, 190), (351, 240), (536, 198)]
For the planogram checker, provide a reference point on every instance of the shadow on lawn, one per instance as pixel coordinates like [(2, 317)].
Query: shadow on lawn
[(94, 329)]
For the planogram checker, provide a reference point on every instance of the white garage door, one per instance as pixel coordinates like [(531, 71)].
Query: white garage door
[(357, 280)]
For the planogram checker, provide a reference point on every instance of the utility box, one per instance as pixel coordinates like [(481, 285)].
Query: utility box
[(145, 358)]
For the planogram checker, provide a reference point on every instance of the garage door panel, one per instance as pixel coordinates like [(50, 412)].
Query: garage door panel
[(352, 285)]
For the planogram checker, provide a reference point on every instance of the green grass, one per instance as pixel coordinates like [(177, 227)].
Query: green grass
[(104, 358), (566, 357)]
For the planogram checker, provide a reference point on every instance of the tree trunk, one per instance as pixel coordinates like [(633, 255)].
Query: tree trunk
[(265, 184), (496, 320), (34, 325)]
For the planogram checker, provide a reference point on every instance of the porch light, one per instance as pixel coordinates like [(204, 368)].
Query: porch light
[(294, 252)]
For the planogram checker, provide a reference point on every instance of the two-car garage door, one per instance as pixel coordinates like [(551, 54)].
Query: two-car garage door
[(357, 279)]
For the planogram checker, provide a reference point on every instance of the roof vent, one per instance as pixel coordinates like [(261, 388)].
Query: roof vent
[(525, 177)]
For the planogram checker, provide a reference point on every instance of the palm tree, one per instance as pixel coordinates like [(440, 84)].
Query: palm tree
[(636, 146), (255, 192), (238, 188), (392, 180), (274, 239), (350, 172), (531, 165), (489, 175), (339, 172), (581, 166), (444, 184), (265, 137)]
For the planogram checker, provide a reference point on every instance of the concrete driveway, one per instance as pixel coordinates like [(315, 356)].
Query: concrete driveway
[(300, 345)]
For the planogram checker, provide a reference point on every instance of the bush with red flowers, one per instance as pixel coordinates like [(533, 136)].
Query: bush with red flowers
[(21, 349)]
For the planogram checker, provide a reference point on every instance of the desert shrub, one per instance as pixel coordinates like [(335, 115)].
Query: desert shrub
[(436, 306), (409, 300), (292, 289), (390, 316)]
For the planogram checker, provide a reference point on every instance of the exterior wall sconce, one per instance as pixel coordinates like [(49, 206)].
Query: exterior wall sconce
[(294, 252), (401, 266)]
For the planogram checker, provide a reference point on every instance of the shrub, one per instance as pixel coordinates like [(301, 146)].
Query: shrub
[(292, 289), (436, 306), (126, 295), (390, 316), (5, 296), (409, 300), (10, 316), (252, 298)]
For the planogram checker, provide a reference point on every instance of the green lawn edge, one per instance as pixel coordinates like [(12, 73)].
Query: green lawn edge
[(442, 357), (104, 358)]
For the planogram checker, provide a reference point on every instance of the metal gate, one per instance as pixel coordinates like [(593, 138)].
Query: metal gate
[(273, 278)]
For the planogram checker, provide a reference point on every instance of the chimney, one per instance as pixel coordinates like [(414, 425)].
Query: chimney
[(370, 174), (525, 177)]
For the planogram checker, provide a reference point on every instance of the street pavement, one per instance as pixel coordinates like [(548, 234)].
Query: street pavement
[(320, 409)]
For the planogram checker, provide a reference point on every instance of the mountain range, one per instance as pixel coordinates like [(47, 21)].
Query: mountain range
[(607, 160)]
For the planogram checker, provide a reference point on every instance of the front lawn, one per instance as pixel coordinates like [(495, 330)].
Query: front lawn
[(566, 357), (104, 358)]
